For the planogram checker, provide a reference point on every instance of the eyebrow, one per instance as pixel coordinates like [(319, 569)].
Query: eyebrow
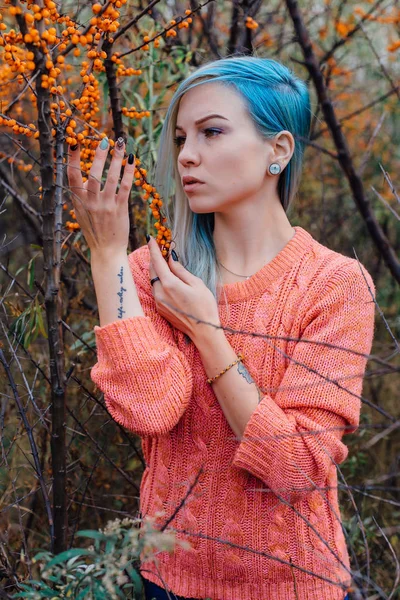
[(205, 119)]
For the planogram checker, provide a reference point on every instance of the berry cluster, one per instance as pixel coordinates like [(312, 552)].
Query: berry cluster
[(251, 23), (20, 164), (76, 112), (132, 113), (163, 237), (184, 24)]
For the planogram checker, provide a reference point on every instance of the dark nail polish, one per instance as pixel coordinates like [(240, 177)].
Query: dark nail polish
[(130, 159), (73, 148), (174, 255), (147, 237)]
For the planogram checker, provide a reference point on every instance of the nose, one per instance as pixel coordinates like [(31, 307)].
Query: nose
[(188, 154)]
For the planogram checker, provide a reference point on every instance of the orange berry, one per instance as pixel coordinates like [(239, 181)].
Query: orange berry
[(96, 8)]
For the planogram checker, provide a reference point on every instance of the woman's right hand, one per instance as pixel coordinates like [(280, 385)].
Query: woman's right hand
[(102, 215)]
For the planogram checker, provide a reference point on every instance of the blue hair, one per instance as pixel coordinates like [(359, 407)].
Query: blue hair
[(276, 100)]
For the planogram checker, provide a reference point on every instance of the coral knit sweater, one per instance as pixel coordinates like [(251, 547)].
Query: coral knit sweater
[(263, 519)]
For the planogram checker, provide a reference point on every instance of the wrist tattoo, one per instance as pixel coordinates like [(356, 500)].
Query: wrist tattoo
[(244, 372), (121, 310)]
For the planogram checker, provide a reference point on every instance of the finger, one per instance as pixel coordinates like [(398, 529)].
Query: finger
[(158, 261), (74, 174), (93, 184), (152, 274), (179, 270), (114, 171), (127, 180), (152, 271)]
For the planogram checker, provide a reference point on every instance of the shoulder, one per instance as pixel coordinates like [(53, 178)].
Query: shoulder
[(326, 271)]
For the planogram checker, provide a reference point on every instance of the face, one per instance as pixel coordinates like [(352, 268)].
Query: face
[(225, 152)]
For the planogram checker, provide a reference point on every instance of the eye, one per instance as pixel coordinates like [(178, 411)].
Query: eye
[(178, 141)]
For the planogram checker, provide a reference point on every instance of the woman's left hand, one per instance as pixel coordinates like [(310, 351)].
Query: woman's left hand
[(178, 288)]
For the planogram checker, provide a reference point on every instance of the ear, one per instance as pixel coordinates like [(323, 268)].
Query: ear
[(283, 147)]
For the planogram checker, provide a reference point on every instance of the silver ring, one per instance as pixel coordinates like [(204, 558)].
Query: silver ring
[(154, 279)]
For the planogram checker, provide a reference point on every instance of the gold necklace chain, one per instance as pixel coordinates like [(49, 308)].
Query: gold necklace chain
[(237, 275)]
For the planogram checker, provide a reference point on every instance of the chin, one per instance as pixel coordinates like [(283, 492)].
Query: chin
[(201, 207), (202, 210)]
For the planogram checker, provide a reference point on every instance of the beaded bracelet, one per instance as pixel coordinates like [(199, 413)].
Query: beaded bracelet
[(239, 358)]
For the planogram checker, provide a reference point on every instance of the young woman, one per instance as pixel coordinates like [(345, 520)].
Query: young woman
[(240, 360)]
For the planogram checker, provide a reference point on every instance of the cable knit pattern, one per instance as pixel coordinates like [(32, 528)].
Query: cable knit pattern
[(272, 495)]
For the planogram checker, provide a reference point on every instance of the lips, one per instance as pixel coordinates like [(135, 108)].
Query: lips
[(191, 187), (187, 179)]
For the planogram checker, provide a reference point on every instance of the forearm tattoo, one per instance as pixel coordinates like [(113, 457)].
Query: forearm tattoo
[(244, 373), (121, 310)]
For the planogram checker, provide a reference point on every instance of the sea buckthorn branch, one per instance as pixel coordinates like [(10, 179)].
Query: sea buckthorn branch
[(114, 95), (164, 235), (93, 21), (343, 40), (345, 157), (48, 66), (21, 164), (28, 84), (52, 245), (251, 23), (135, 19), (37, 44), (170, 31)]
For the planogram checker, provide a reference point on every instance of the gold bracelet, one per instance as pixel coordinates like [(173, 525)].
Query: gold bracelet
[(239, 358)]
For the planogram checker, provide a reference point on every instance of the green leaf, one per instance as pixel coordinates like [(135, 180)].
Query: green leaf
[(110, 545), (135, 578), (40, 323), (140, 101), (84, 593), (64, 556), (88, 337), (19, 270), (96, 535), (43, 554), (31, 272)]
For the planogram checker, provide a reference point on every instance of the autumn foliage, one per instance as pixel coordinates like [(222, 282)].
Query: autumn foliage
[(70, 75)]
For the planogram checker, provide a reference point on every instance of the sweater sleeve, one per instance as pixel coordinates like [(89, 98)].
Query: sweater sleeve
[(292, 440), (146, 379)]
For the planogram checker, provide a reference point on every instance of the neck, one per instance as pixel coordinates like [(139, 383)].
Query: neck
[(247, 239)]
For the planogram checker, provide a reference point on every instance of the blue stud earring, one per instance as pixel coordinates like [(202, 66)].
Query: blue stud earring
[(275, 169)]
